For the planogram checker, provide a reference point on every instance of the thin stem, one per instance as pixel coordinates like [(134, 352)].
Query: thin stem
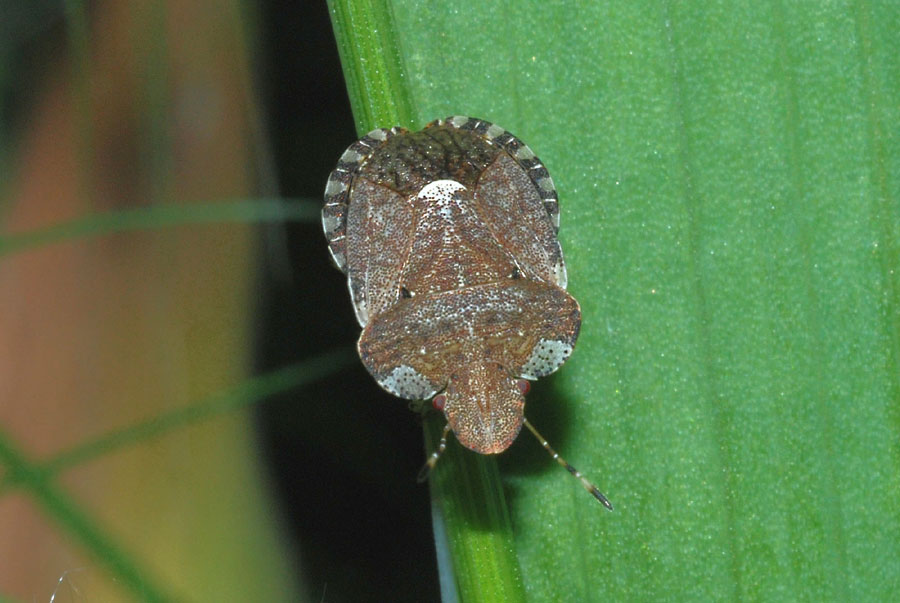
[(159, 216)]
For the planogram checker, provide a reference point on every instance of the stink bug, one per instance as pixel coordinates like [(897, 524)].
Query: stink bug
[(448, 239)]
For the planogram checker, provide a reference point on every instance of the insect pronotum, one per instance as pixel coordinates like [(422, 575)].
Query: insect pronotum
[(448, 237)]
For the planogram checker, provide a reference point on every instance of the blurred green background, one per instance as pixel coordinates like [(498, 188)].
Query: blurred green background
[(728, 176)]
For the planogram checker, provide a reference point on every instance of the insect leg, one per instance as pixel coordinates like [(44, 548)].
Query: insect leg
[(433, 458)]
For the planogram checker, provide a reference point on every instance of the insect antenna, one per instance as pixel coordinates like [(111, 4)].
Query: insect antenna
[(433, 458), (584, 481)]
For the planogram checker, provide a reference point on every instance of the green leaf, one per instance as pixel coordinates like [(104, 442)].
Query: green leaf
[(728, 181)]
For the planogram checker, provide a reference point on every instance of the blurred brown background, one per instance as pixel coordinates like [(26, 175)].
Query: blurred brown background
[(310, 496)]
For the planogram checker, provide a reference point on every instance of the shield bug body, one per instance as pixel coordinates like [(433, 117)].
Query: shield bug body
[(448, 239)]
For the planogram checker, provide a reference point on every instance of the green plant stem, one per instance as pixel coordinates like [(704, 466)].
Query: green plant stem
[(373, 67), (466, 489)]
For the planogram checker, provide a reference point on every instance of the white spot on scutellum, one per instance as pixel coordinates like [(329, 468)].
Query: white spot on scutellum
[(546, 357), (440, 194), (441, 188), (407, 382), (378, 134)]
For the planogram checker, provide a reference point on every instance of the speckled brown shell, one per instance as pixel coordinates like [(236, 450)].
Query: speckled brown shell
[(448, 238)]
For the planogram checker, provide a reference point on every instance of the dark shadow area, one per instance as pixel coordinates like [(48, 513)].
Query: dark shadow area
[(344, 455)]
